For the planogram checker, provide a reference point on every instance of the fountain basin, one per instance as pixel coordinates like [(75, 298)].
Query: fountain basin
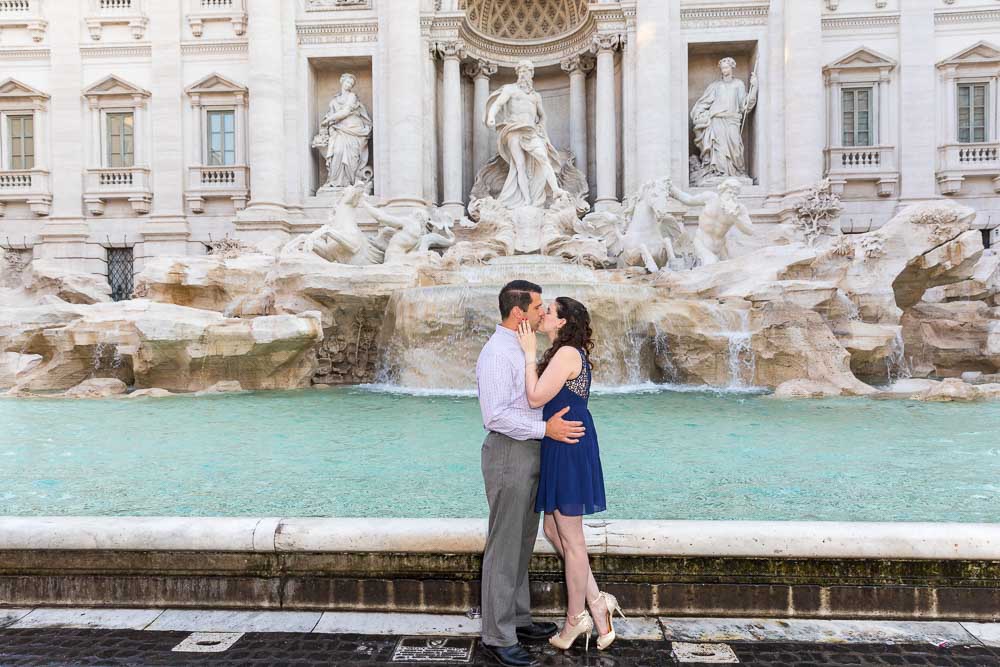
[(789, 569)]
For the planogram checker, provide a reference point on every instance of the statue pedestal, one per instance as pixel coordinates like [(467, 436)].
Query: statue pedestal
[(528, 229)]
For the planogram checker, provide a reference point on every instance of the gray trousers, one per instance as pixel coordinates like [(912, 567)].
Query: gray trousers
[(510, 470)]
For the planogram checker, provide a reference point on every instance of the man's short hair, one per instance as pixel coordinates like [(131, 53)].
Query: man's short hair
[(516, 293)]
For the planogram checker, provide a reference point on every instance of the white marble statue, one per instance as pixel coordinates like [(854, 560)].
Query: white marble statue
[(722, 212), (343, 138), (341, 240), (516, 111), (718, 118), (644, 233), (413, 234)]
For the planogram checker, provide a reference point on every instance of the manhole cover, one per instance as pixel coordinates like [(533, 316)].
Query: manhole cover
[(704, 653), (433, 649)]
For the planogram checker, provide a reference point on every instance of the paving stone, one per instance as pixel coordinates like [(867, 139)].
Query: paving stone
[(810, 630), (11, 614), (987, 633), (107, 619), (343, 622), (114, 648), (204, 620)]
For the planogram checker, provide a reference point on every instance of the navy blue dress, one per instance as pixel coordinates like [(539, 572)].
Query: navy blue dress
[(570, 479)]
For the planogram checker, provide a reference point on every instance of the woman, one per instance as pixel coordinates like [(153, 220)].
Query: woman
[(570, 482), (348, 126)]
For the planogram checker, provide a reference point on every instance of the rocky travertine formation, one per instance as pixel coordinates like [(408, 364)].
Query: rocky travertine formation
[(918, 297)]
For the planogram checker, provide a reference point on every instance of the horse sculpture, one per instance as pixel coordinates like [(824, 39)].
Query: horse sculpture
[(341, 240), (649, 230)]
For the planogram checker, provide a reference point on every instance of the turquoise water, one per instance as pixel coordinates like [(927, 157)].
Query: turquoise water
[(358, 452)]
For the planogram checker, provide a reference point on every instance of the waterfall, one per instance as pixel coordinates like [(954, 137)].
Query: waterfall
[(742, 361), (896, 365), (431, 336)]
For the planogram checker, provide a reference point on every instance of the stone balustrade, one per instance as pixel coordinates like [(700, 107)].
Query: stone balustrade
[(232, 181), (23, 14), (863, 163), (26, 185), (131, 183), (117, 12), (957, 161)]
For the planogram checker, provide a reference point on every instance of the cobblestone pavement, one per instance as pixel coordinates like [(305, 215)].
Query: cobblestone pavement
[(70, 647)]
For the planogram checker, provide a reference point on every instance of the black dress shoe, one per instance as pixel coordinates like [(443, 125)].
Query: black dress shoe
[(515, 655), (537, 631)]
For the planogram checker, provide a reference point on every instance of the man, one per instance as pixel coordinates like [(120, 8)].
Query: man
[(718, 122), (510, 461), (515, 110), (722, 212)]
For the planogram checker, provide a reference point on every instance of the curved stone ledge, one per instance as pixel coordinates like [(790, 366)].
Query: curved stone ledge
[(753, 539)]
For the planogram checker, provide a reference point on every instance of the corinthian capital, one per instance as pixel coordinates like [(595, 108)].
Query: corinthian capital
[(479, 68), (606, 42), (577, 63), (448, 50)]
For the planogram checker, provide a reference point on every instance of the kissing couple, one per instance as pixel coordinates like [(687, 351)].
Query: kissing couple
[(540, 455)]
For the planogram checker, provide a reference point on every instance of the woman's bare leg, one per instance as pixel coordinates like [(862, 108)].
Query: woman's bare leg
[(580, 584)]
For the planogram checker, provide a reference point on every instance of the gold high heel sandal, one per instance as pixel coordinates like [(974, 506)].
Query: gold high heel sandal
[(611, 602), (584, 626)]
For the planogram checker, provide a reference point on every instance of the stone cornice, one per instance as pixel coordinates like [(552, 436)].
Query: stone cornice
[(864, 22), (26, 53), (117, 51), (365, 30), (980, 16), (724, 16), (222, 47)]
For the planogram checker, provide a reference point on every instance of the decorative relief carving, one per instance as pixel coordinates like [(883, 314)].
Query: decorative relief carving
[(865, 23), (24, 54), (116, 51), (978, 17), (577, 63), (607, 42), (214, 48), (480, 68), (717, 17), (451, 49), (332, 5), (524, 19), (337, 33)]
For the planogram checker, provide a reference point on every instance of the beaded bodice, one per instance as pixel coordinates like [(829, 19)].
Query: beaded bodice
[(580, 385)]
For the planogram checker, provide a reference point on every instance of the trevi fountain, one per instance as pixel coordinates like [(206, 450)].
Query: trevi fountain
[(713, 300)]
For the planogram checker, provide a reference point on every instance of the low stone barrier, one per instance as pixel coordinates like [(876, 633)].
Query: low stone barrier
[(701, 568)]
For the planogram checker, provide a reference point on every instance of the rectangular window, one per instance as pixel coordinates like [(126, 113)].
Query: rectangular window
[(121, 268), (222, 137), (21, 130), (856, 109), (121, 150), (972, 112)]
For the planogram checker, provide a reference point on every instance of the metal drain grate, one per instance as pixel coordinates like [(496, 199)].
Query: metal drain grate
[(434, 649), (208, 642), (704, 653)]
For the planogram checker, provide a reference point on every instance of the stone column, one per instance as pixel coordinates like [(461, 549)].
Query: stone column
[(917, 74), (451, 53), (578, 66), (653, 85), (480, 73), (773, 91), (804, 98), (266, 211), (404, 56), (605, 127), (63, 235)]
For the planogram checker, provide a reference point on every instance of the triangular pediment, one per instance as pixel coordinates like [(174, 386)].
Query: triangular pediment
[(12, 88), (862, 58), (112, 85), (215, 83), (981, 52)]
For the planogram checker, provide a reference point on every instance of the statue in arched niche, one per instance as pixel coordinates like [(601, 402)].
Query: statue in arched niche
[(343, 138)]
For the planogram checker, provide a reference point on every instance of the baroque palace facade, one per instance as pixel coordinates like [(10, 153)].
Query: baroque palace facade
[(138, 128)]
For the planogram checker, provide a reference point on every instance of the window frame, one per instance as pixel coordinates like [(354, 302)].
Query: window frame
[(988, 130), (106, 153), (208, 111), (109, 251), (854, 88)]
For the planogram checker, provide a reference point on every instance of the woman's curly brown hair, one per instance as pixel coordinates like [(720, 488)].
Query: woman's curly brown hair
[(575, 333)]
